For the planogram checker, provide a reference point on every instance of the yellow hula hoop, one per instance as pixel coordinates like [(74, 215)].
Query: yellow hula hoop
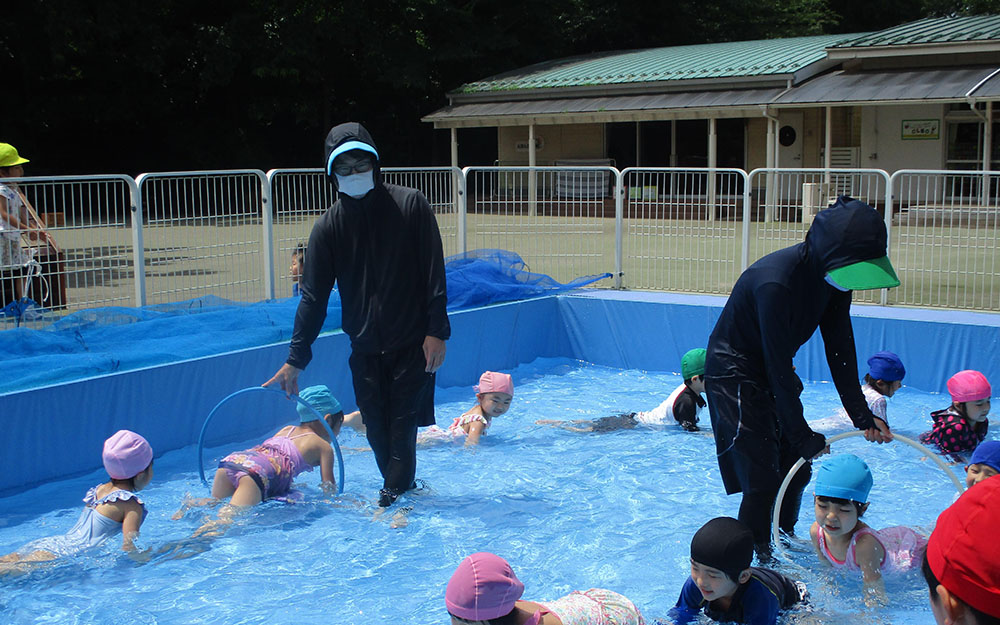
[(775, 516)]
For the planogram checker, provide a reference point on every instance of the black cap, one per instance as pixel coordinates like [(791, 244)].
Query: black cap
[(725, 544)]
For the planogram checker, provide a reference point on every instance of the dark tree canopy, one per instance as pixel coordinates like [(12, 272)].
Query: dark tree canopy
[(183, 84)]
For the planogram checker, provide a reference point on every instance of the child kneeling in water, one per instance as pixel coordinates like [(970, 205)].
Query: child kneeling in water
[(683, 405), (494, 393), (725, 586), (484, 589), (110, 508), (960, 427), (841, 538)]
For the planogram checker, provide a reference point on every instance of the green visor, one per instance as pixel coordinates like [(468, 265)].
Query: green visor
[(868, 274)]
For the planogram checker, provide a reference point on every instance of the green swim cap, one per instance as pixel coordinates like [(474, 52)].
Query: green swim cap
[(693, 363)]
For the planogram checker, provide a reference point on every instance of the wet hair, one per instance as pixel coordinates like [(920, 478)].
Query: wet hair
[(507, 619), (129, 482), (838, 501), (932, 583), (877, 384)]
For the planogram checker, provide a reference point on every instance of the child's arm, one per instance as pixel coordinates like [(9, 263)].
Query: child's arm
[(354, 420), (814, 531), (131, 522), (688, 604), (869, 555), (329, 483), (475, 431)]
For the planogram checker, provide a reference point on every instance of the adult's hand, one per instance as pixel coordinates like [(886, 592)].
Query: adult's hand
[(287, 378), (880, 433), (434, 349)]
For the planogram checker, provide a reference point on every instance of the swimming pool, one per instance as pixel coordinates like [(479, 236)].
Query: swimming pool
[(569, 511)]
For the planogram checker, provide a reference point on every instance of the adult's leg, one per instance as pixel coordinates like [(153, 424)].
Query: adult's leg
[(792, 501), (411, 402), (371, 393)]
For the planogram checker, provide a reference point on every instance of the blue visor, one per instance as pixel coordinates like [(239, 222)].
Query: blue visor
[(347, 146)]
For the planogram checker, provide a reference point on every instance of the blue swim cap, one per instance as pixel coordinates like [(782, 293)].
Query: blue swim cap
[(987, 453), (844, 477), (320, 398), (886, 366)]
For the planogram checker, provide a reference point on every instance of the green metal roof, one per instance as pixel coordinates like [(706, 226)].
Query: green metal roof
[(737, 59), (931, 31)]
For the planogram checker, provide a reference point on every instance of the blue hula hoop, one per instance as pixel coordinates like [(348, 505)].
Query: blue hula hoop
[(333, 438)]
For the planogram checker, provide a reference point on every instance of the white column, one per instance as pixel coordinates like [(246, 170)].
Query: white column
[(828, 148), (713, 159), (455, 183), (770, 156), (532, 180), (987, 150)]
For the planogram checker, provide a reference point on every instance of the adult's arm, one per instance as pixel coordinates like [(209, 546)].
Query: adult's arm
[(774, 303), (841, 355), (318, 276), (431, 259)]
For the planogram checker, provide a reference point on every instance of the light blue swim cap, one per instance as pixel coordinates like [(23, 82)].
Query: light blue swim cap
[(320, 398), (844, 477)]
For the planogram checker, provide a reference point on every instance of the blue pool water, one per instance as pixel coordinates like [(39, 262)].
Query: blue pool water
[(569, 511)]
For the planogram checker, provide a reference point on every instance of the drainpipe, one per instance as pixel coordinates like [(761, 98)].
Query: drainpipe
[(771, 163), (828, 150)]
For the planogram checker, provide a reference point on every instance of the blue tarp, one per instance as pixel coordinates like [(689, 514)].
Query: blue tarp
[(111, 339)]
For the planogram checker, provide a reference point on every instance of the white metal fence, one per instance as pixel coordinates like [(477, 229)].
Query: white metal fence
[(164, 237)]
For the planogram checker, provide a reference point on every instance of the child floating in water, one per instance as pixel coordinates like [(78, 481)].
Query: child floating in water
[(960, 427), (266, 471), (984, 463), (841, 538), (484, 589), (494, 393), (683, 405), (725, 586), (110, 508)]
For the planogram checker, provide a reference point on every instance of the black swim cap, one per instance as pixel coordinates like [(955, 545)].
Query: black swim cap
[(725, 544)]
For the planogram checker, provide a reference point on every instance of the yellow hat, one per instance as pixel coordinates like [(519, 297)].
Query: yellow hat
[(9, 156)]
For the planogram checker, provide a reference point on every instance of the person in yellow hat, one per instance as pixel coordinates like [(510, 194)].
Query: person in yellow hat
[(13, 220)]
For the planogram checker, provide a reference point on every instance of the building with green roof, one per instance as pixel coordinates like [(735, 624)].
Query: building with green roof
[(918, 95)]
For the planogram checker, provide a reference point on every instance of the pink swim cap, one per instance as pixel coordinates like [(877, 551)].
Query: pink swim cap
[(126, 455), (493, 382), (483, 587), (969, 385)]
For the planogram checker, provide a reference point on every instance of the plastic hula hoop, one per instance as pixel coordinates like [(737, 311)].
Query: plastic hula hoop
[(333, 439), (776, 515)]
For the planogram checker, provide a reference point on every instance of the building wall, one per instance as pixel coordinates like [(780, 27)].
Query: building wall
[(882, 145), (567, 141), (756, 143)]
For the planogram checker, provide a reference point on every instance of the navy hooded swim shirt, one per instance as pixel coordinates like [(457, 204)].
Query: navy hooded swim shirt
[(777, 304)]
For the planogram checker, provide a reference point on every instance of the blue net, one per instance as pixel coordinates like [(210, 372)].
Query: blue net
[(106, 340)]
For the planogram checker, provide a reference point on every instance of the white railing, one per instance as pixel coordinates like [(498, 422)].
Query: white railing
[(945, 238), (164, 237)]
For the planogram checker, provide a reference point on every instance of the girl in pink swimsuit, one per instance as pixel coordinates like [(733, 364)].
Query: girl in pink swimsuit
[(494, 394), (842, 539), (484, 589)]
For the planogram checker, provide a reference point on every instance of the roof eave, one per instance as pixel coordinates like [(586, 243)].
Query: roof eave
[(922, 49)]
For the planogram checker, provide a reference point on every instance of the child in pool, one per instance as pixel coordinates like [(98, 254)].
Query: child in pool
[(110, 508), (295, 269), (725, 586), (684, 405), (884, 378), (484, 589), (960, 427), (494, 393), (841, 538), (265, 472), (962, 563), (984, 463)]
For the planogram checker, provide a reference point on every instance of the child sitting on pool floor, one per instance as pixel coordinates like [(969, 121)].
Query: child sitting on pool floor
[(984, 463), (110, 508), (484, 589), (684, 405), (962, 425), (266, 471), (725, 586), (494, 394), (841, 538)]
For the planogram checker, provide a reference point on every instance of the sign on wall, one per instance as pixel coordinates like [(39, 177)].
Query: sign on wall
[(921, 129), (522, 146)]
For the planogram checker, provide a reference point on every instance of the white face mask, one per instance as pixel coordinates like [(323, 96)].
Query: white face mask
[(356, 185), (830, 281)]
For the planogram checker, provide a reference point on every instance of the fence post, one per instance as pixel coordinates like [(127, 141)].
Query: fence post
[(267, 238), (138, 255), (619, 215)]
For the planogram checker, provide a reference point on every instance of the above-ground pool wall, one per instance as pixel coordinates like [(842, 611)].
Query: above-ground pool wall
[(57, 431), (651, 331)]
